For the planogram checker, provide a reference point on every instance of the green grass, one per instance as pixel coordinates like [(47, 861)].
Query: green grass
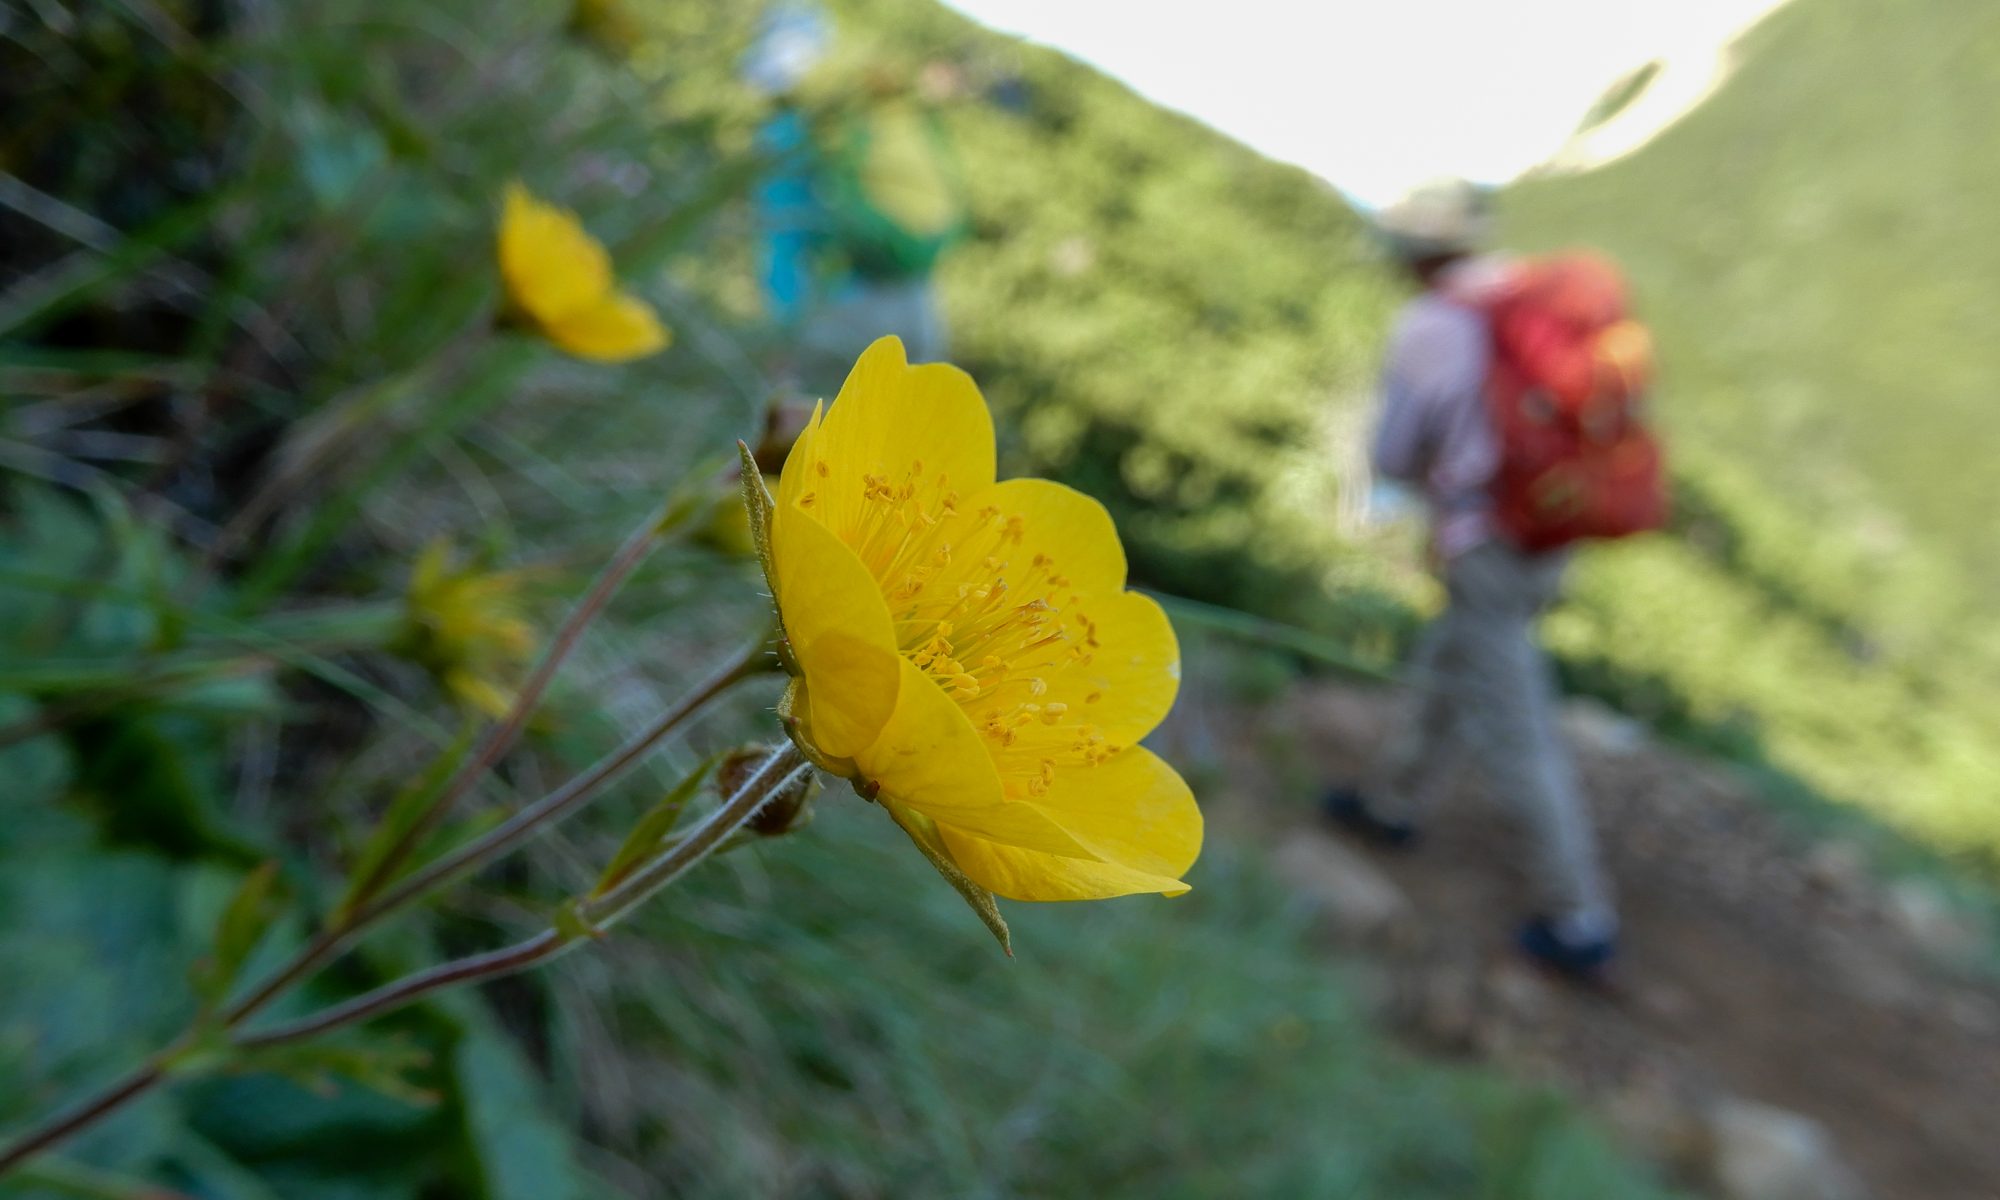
[(850, 1023)]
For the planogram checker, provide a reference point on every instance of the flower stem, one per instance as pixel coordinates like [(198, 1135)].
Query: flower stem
[(502, 737), (135, 1083), (491, 965), (496, 841), (782, 769), (338, 935)]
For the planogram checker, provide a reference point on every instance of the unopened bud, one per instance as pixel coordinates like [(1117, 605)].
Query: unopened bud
[(786, 810)]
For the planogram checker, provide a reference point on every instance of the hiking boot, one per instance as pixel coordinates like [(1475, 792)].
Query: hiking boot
[(1579, 958), (1348, 808)]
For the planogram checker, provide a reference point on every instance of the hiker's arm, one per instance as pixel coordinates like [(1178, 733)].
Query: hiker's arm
[(1399, 439), (1435, 368), (1403, 437)]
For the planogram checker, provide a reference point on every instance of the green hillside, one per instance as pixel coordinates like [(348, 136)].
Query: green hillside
[(1815, 247), (1190, 331)]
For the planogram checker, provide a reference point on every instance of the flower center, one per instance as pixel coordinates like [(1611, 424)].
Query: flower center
[(996, 625)]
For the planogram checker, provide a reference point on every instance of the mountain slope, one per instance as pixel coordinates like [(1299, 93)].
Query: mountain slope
[(1814, 248), (1188, 331), (1817, 245)]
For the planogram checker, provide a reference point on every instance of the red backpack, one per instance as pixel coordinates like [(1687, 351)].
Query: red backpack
[(1568, 380)]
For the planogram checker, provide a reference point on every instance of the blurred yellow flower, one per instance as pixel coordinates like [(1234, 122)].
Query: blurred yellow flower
[(560, 278), (968, 652), (466, 627)]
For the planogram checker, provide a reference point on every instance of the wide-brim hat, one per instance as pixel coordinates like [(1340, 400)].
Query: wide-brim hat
[(1437, 219)]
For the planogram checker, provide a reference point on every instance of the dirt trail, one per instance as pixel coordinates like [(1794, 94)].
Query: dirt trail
[(1755, 968)]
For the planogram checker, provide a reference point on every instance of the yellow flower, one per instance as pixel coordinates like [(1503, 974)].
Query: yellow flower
[(465, 626), (560, 278), (968, 652)]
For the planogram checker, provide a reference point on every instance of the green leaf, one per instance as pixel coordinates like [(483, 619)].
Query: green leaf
[(37, 769), (924, 834), (48, 1176), (522, 1152), (244, 922), (152, 779), (402, 816), (653, 828), (386, 1066)]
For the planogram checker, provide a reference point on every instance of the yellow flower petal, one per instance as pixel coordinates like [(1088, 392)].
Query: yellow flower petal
[(1134, 811), (551, 266), (1015, 874), (891, 417), (1128, 684), (792, 485), (851, 690), (1069, 527), (840, 632), (930, 759), (618, 328), (1026, 673)]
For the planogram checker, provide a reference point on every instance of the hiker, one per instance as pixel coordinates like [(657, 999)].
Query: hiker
[(1507, 400), (790, 44), (890, 188), (861, 199)]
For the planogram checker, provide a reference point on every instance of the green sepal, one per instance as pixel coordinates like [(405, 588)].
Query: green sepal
[(924, 833), (758, 503), (801, 735)]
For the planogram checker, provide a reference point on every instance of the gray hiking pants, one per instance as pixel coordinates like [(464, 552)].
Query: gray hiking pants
[(1481, 690)]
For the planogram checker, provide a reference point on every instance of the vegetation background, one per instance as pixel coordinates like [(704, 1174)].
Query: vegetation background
[(246, 298)]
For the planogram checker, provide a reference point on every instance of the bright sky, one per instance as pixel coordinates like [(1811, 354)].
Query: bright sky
[(1375, 95)]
